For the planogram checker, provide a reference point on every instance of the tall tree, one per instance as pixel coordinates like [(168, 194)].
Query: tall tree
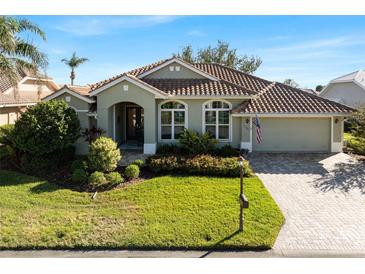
[(319, 88), (221, 54), (73, 63), (291, 82), (17, 53)]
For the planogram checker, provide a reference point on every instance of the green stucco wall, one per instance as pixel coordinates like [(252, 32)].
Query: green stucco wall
[(115, 94), (337, 129), (195, 117)]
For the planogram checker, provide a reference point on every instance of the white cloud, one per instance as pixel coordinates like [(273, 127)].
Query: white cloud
[(335, 42), (92, 26), (195, 32)]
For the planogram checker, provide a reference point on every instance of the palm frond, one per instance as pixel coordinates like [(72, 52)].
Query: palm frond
[(26, 25), (31, 52)]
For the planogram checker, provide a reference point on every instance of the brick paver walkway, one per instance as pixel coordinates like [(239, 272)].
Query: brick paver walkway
[(322, 197)]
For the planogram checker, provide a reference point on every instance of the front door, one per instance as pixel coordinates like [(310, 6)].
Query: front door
[(135, 121)]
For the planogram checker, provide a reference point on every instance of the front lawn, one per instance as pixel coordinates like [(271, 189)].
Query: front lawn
[(160, 213)]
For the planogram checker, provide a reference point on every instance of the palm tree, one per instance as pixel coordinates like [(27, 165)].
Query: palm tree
[(17, 53), (73, 63)]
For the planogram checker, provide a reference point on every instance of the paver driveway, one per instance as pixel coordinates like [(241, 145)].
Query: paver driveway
[(322, 197)]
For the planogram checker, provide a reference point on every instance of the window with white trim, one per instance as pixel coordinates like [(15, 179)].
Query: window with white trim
[(172, 120), (217, 120)]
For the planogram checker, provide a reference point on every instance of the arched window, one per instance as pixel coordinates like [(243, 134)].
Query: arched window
[(217, 120), (172, 120)]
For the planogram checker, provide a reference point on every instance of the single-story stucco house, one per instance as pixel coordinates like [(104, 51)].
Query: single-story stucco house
[(348, 89), (151, 105), (30, 89)]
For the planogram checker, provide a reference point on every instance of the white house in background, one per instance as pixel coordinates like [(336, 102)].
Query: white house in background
[(348, 89)]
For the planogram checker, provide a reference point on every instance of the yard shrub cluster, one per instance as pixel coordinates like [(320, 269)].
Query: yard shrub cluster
[(195, 143), (197, 154), (42, 138), (356, 144), (96, 172), (104, 155), (198, 165)]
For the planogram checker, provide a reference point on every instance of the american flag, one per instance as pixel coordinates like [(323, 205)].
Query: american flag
[(258, 130)]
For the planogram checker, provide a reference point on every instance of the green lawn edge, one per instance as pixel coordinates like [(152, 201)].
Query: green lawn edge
[(163, 213)]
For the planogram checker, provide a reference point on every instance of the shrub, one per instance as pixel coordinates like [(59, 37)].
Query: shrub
[(36, 165), (46, 128), (226, 151), (79, 176), (6, 134), (195, 143), (103, 155), (199, 165), (79, 164), (132, 171), (97, 180), (7, 138), (139, 163), (165, 149), (356, 144), (163, 163), (357, 123), (114, 178)]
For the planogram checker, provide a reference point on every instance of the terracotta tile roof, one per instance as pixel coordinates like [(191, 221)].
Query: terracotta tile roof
[(82, 90), (24, 98), (198, 87), (281, 98), (270, 97), (5, 84), (134, 72), (234, 76)]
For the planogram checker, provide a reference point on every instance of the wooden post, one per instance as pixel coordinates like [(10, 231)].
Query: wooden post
[(241, 192), (243, 199)]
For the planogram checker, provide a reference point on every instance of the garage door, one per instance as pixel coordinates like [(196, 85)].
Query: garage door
[(294, 134)]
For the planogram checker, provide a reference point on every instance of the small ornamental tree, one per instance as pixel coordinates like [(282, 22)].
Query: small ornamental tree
[(46, 128), (357, 123), (104, 155)]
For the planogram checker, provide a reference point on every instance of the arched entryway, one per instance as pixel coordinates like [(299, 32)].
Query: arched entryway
[(128, 125)]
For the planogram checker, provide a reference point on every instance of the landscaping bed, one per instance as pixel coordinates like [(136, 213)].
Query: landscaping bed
[(355, 144), (169, 212)]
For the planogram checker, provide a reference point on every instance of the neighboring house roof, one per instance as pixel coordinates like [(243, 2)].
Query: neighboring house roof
[(281, 99), (9, 97), (81, 92), (311, 91), (356, 76), (267, 96)]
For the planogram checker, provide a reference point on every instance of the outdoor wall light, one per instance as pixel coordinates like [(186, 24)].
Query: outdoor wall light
[(247, 121), (336, 120)]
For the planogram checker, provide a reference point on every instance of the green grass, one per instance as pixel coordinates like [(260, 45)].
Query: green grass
[(161, 213), (357, 144)]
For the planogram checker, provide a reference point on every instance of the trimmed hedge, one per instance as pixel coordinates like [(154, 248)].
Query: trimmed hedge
[(198, 165), (132, 171)]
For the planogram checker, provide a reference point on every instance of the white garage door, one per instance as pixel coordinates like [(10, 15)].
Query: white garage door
[(294, 134)]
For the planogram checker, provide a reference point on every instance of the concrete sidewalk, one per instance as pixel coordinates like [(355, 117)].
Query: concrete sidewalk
[(180, 254)]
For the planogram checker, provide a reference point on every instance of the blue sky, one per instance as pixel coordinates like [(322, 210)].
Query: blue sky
[(310, 49)]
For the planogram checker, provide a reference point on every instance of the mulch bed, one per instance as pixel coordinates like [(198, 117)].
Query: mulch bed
[(62, 176)]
